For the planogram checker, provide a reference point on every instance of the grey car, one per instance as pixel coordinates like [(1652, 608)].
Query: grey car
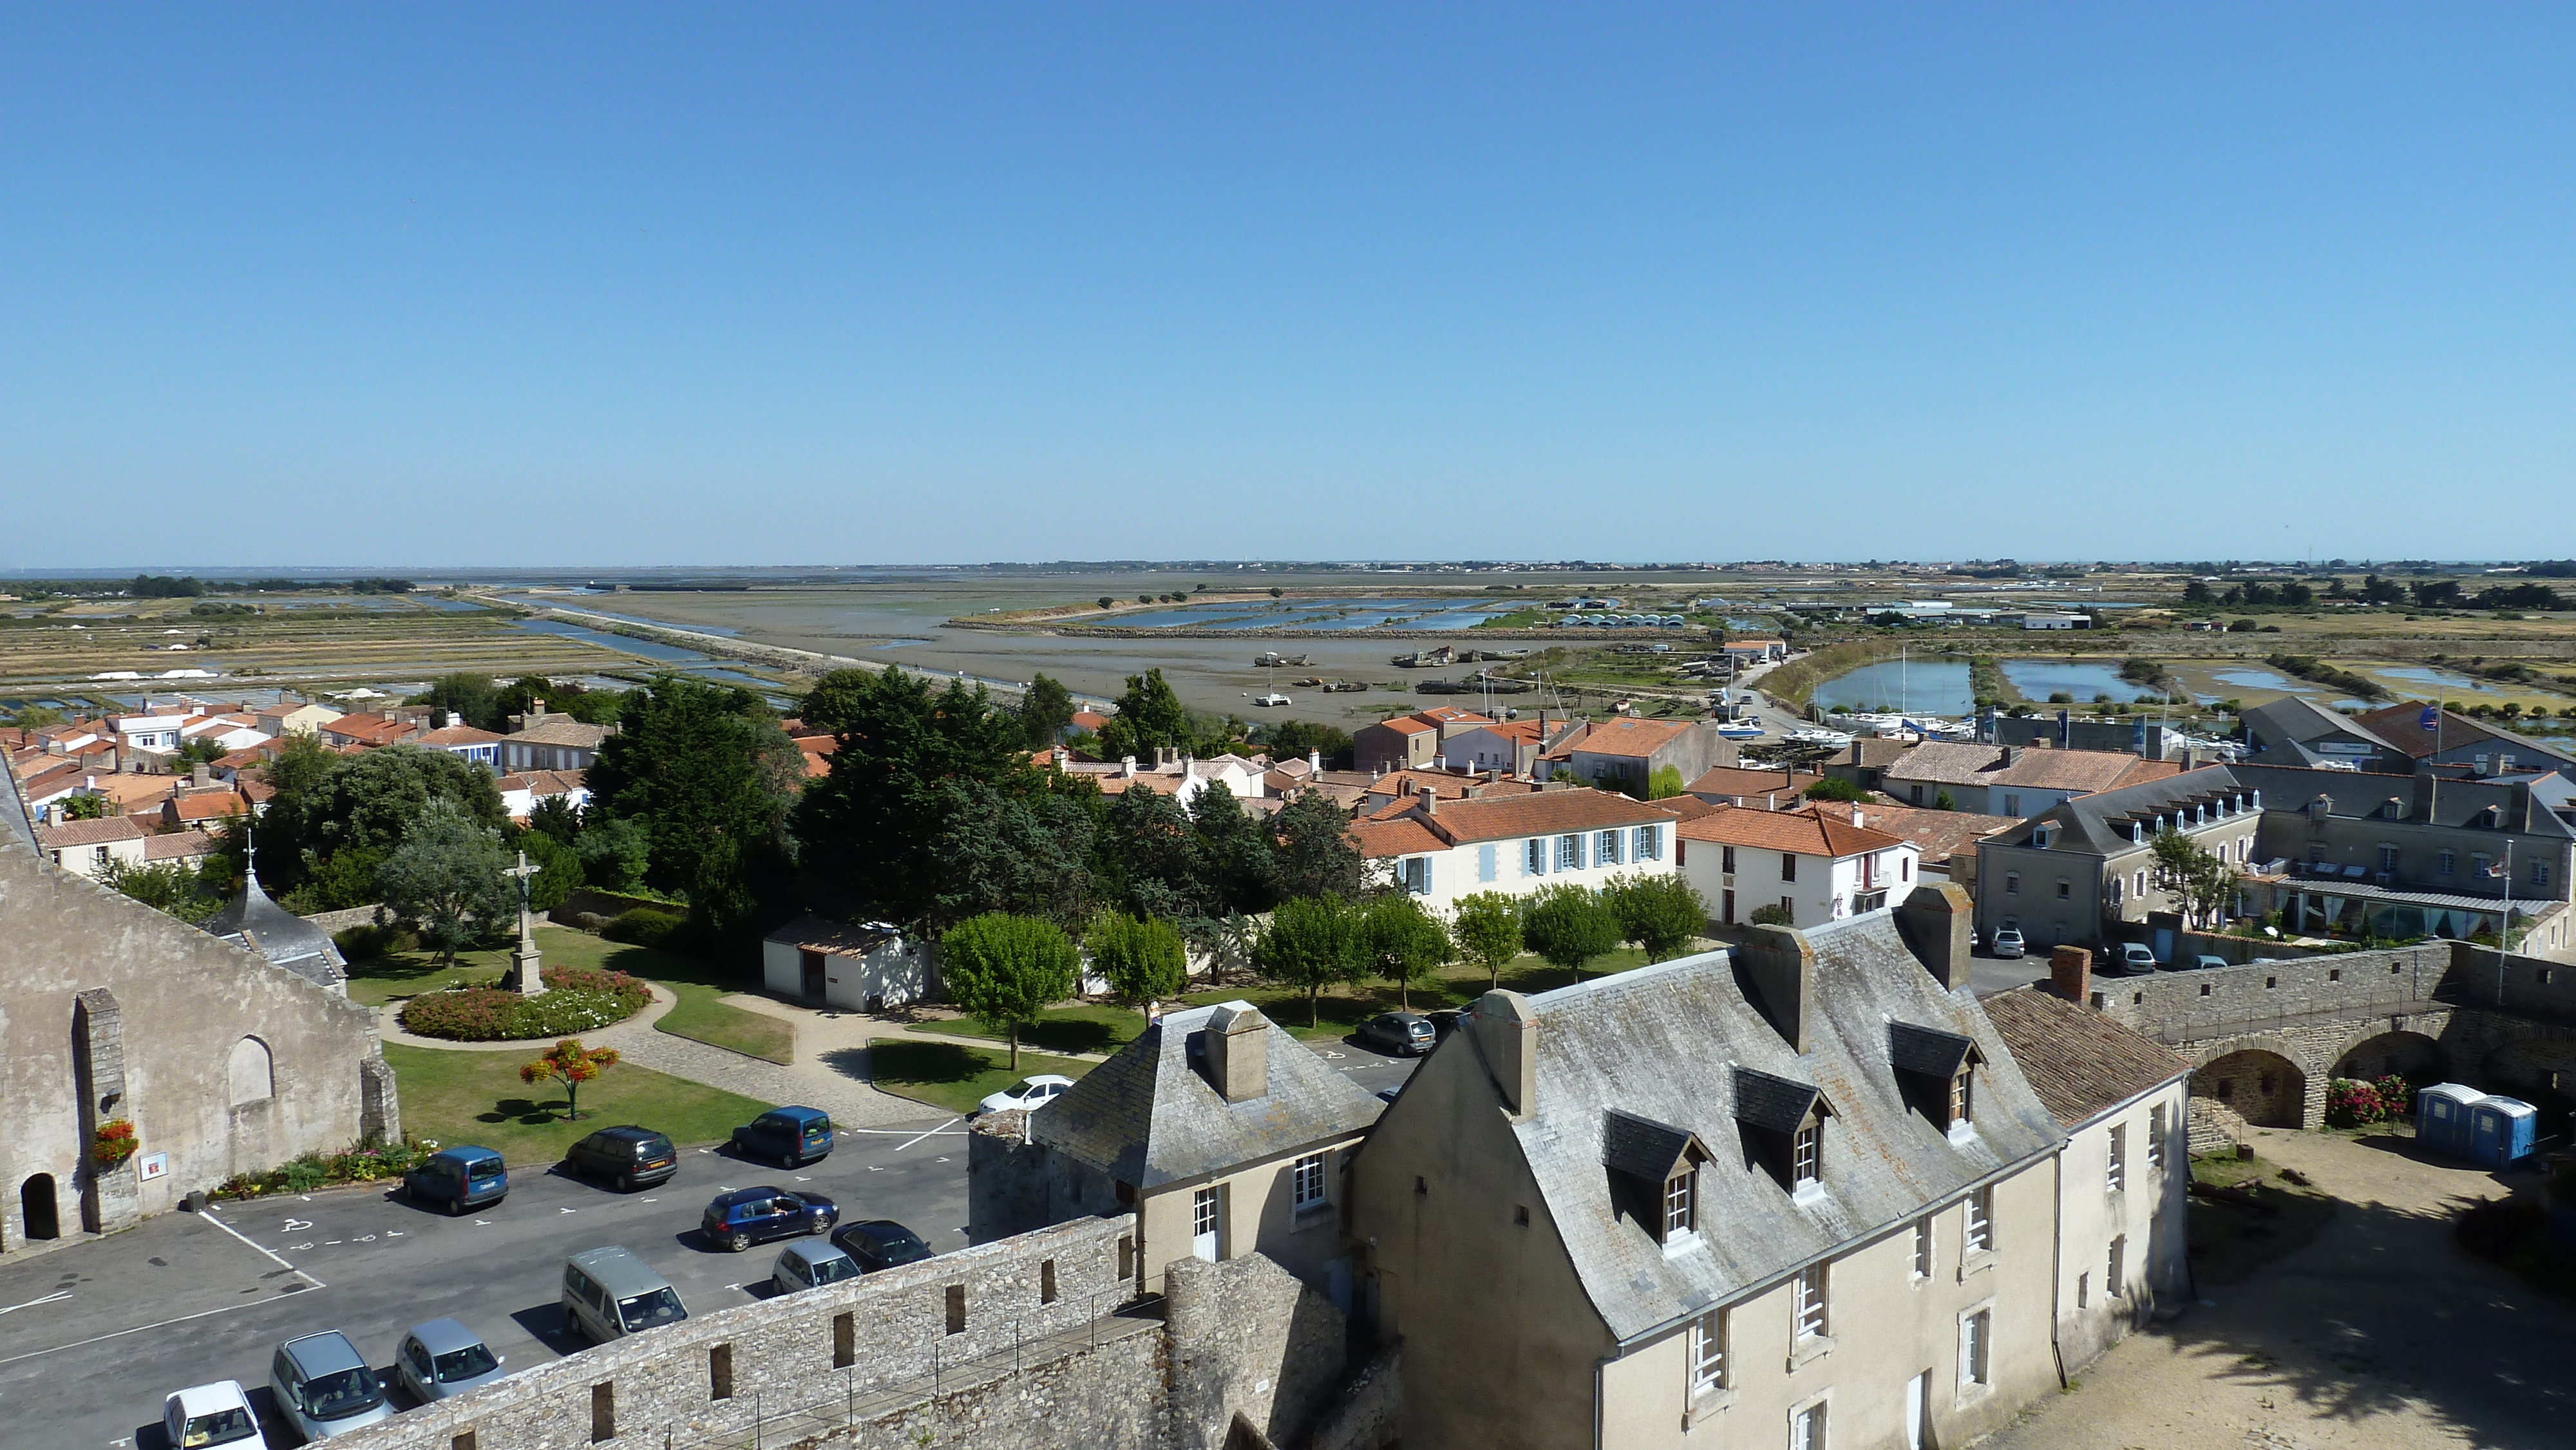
[(443, 1358), (324, 1387), (811, 1264)]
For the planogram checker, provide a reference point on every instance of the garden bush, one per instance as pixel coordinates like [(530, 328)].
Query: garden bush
[(363, 1163), (643, 926), (575, 1001), (2353, 1103), (366, 942)]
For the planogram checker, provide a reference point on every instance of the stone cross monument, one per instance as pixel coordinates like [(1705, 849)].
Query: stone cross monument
[(527, 969)]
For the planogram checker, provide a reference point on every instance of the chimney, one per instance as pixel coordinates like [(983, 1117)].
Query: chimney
[(1314, 763), (1430, 799), (2011, 754), (1934, 920), (2070, 974), (1777, 968), (1238, 1052), (201, 775), (1504, 1029), (536, 709), (1127, 767), (1856, 820)]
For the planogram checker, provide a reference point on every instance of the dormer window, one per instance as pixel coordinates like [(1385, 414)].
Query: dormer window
[(1936, 1072), (1783, 1126), (1654, 1175)]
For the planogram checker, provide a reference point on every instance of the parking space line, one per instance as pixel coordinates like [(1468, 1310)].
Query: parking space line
[(899, 1147), (272, 1258), (137, 1329)]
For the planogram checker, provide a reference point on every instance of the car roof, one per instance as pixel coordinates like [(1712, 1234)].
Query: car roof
[(1404, 1017), (802, 1115), (619, 1270), (445, 1336), (465, 1153), (627, 1132), (815, 1251), (198, 1400), (1051, 1077), (328, 1352), (746, 1195)]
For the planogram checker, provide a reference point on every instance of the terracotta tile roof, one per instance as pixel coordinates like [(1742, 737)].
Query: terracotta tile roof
[(1686, 807), (1090, 720), (208, 805), (1950, 762), (1939, 834), (1404, 835), (2080, 1062), (103, 831), (365, 729), (1541, 813), (255, 791), (1638, 738), (445, 736), (1449, 784), (177, 846), (1755, 786), (1808, 831)]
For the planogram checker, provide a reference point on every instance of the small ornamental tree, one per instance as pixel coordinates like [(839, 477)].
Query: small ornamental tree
[(1773, 914), (1143, 961), (1005, 970), (446, 875), (1487, 929), (1313, 942), (1570, 926), (1659, 912), (1832, 789), (1405, 943), (571, 1064)]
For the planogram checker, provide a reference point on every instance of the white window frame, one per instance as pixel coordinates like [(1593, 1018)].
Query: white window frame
[(1708, 1353), (1569, 852), (2155, 1137), (2115, 1175), (1534, 856), (1977, 1350), (1307, 1183), (1811, 1303), (1605, 848), (1809, 1425), (1807, 1156), (1977, 1222), (1681, 1206), (1923, 1247)]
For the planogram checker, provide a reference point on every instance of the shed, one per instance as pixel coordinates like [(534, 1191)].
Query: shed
[(865, 966), (2442, 1116)]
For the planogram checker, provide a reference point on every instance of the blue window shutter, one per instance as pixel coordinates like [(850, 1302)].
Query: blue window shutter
[(1485, 862)]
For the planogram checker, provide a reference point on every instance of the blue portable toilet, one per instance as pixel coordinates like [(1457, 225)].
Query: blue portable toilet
[(2442, 1116), (2500, 1130)]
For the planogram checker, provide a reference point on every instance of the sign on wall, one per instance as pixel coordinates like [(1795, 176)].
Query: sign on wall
[(156, 1165)]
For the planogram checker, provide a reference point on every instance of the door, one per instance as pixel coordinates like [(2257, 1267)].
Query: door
[(810, 964), (1729, 918), (1918, 1395), (1205, 1223)]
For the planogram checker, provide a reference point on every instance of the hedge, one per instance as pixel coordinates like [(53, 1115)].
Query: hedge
[(576, 1000), (643, 926)]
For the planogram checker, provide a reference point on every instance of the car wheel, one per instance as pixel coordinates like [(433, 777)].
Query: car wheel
[(792, 1162), (456, 1208), (737, 1241), (626, 1183), (819, 1227)]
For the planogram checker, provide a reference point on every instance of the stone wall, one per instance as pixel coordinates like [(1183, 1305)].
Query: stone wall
[(336, 922), (1014, 1185), (1249, 1340)]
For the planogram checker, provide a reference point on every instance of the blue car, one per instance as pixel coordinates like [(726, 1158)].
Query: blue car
[(458, 1179), (793, 1136), (737, 1220)]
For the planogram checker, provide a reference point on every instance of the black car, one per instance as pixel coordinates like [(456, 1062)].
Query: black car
[(881, 1243), (1398, 1034), (746, 1216), (625, 1157)]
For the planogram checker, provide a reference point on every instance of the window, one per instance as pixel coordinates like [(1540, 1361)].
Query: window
[(2115, 1282), (2141, 889), (1650, 843), (1974, 1331), (1417, 875), (1923, 1247), (1306, 1179), (1963, 1096), (1487, 867), (2447, 863), (2116, 1177), (1789, 905), (2539, 873), (1679, 1215), (2387, 858), (1708, 1352), (1810, 1301), (2083, 1290), (1569, 853), (2012, 805), (1978, 1236), (2012, 883), (1727, 864), (1806, 1155), (1203, 1212), (2117, 890), (2156, 1136), (2064, 890), (1605, 848), (1788, 866), (1534, 856), (1807, 1428), (1904, 868)]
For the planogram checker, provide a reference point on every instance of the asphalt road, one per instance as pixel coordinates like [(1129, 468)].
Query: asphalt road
[(92, 1336)]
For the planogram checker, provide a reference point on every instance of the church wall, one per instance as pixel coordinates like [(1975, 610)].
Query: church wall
[(228, 1064)]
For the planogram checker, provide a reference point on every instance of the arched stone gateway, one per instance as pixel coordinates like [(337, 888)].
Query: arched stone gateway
[(2403, 1054), (2263, 1087), (40, 1214)]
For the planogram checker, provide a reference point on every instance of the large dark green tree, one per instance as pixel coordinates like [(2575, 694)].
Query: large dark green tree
[(1045, 710), (710, 776), (446, 875), (330, 805), (1316, 856), (1005, 970), (1238, 865), (1150, 717), (1028, 853)]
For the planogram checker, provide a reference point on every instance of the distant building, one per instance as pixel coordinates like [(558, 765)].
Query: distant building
[(1817, 863), (539, 741), (1408, 742)]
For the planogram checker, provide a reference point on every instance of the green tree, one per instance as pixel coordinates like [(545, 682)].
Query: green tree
[(558, 817), (35, 717), (1005, 970), (1773, 914), (1105, 601), (328, 804), (712, 777), (1023, 853), (2199, 881), (1832, 788), (571, 1064), (83, 806), (1944, 801), (614, 854), (446, 875), (559, 869), (1292, 738), (1150, 717), (1405, 944), (473, 699), (204, 750), (1141, 960), (1236, 852), (183, 891), (1665, 783), (1487, 928), (1570, 926), (1658, 911), (1313, 942), (1045, 711), (1315, 852)]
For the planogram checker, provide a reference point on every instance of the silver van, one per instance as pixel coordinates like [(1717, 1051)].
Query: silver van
[(609, 1293)]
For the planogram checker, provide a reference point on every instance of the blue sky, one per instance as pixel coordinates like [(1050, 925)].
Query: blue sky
[(455, 285)]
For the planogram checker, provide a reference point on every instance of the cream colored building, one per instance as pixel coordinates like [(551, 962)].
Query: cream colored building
[(1794, 1194)]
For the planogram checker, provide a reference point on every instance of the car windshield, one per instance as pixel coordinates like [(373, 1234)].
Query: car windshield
[(644, 1311), (333, 1396), (482, 1168), (222, 1427), (819, 1125), (899, 1246), (1024, 1087), (471, 1362), (833, 1271)]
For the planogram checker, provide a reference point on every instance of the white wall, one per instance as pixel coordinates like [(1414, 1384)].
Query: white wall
[(897, 971), (1460, 871), (1823, 891), (2149, 1212)]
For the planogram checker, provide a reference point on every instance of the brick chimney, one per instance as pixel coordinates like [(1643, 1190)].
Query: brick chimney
[(1238, 1052), (1503, 1028), (2070, 974), (1777, 968), (1934, 920), (1430, 799)]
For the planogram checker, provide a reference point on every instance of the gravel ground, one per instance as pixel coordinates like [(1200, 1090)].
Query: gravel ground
[(2380, 1335)]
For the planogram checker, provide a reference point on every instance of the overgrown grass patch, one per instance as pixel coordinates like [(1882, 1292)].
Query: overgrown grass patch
[(2228, 1240), (1074, 1027), (451, 1097), (954, 1076)]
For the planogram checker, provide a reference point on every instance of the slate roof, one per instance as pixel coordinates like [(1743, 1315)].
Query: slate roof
[(2080, 1062), (563, 730), (2086, 822), (1667, 1043), (2397, 725), (2296, 722), (1927, 1050), (287, 940), (1642, 1147), (1148, 1117), (1949, 762)]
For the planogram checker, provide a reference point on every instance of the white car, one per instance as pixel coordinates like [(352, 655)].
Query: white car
[(210, 1415), (1273, 698), (1027, 1094)]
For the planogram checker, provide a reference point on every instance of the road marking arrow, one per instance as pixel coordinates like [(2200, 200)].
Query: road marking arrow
[(296, 1225)]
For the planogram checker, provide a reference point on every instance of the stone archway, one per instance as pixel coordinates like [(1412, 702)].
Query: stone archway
[(2410, 1055), (2541, 1072), (2265, 1088), (40, 1214)]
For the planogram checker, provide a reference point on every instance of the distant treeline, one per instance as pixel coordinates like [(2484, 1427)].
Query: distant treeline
[(182, 586)]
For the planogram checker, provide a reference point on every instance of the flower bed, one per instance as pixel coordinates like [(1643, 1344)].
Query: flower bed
[(576, 1000), (362, 1164)]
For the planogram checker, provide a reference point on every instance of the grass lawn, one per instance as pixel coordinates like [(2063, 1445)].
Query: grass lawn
[(1339, 1012), (2228, 1242), (1074, 1027), (699, 1016), (476, 1097), (953, 1075)]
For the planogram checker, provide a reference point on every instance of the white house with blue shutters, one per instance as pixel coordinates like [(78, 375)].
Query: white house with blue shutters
[(1442, 848)]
